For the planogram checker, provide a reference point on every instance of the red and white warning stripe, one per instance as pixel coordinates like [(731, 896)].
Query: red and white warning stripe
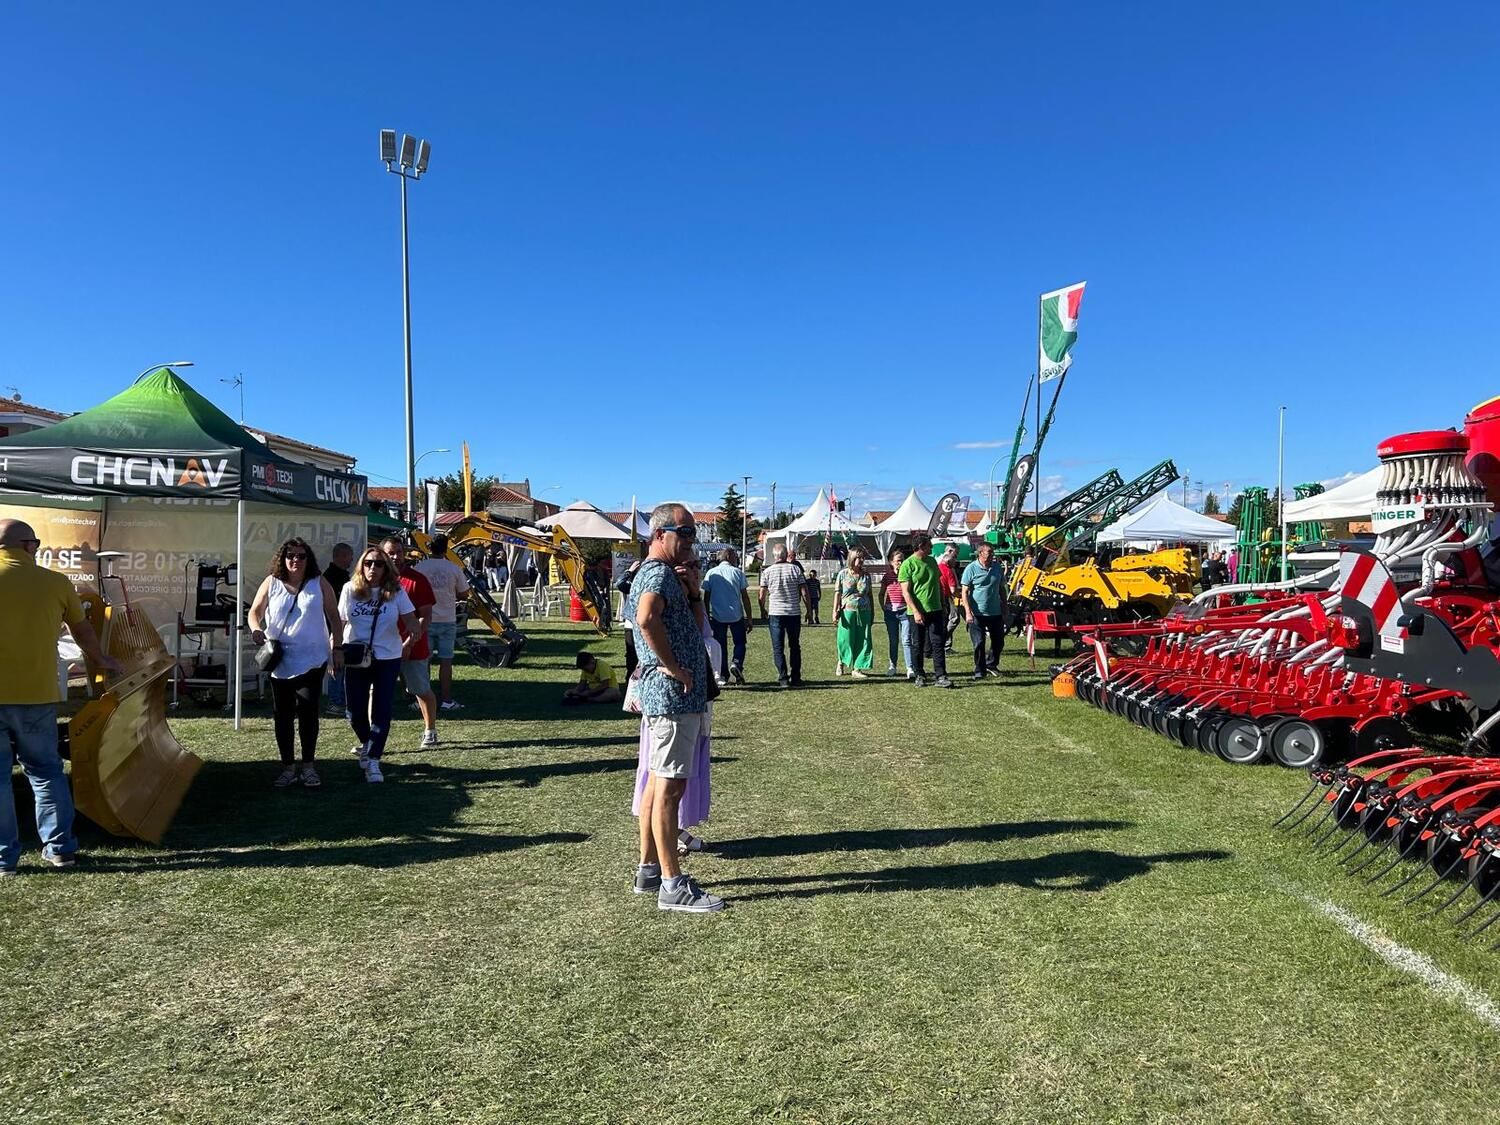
[(1365, 579), (1101, 658), (1030, 638)]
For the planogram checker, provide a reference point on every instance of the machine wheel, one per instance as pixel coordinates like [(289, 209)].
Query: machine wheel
[(1176, 726), (1488, 879), (1207, 733), (1379, 733), (1240, 741), (1297, 743)]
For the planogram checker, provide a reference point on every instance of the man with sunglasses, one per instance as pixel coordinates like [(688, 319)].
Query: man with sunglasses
[(34, 604), (666, 601)]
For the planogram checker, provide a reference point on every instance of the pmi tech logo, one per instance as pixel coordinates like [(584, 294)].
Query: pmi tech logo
[(149, 472)]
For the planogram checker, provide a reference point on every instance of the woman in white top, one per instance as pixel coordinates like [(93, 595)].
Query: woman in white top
[(295, 607), (373, 606)]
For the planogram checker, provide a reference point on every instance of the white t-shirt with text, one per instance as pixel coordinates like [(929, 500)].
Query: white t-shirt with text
[(362, 620)]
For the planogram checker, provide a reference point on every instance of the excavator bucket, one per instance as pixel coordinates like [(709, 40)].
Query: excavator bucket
[(129, 773)]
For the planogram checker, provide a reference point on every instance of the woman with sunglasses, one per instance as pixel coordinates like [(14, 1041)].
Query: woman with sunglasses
[(373, 607), (295, 607)]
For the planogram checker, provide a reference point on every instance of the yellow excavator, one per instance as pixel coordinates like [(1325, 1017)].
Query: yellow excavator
[(129, 772), (482, 529), (1060, 576)]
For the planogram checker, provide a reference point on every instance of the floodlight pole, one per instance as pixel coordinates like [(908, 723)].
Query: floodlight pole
[(1281, 487), (411, 163)]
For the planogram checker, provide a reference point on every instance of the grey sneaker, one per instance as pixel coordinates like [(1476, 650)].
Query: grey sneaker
[(429, 739), (688, 898), (647, 879), (59, 859), (944, 681), (372, 771)]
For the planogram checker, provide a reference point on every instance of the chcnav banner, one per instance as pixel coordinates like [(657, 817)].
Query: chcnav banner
[(203, 474)]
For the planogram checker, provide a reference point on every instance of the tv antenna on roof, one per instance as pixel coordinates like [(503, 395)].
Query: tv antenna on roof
[(15, 392)]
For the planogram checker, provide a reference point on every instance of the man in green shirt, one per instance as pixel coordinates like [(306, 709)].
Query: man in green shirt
[(922, 586)]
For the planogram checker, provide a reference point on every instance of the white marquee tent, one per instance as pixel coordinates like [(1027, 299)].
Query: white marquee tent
[(912, 515), (1162, 519), (582, 520), (819, 520), (1352, 500)]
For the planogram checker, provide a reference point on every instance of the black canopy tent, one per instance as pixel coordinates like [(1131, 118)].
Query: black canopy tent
[(160, 437)]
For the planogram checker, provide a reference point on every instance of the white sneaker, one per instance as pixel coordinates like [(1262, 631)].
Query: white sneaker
[(451, 705), (372, 771), (358, 750), (429, 739), (838, 669)]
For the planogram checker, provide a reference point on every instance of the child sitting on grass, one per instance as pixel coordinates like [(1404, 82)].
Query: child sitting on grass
[(596, 682)]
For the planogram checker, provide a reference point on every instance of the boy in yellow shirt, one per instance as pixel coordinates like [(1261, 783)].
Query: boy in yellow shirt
[(596, 682)]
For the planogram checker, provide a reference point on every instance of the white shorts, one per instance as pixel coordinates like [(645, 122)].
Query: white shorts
[(674, 742)]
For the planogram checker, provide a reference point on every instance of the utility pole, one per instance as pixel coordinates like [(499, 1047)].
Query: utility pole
[(745, 520), (774, 512)]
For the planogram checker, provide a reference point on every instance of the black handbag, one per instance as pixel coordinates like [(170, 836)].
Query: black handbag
[(270, 652), (359, 654)]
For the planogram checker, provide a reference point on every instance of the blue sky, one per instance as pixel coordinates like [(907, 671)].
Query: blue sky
[(663, 246)]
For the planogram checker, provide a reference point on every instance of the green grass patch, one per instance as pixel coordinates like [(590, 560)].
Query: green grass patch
[(977, 905)]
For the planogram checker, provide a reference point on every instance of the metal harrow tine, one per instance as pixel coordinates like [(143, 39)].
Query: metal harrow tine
[(1473, 878), (1405, 852), (1378, 853), (1353, 836), (1319, 822), (1311, 789), (1359, 830), (1495, 917), (1477, 907), (1436, 883)]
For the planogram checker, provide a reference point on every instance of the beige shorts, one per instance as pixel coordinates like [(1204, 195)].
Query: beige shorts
[(674, 738)]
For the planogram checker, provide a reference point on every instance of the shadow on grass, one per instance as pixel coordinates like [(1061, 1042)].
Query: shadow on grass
[(432, 847), (1074, 871), (895, 839)]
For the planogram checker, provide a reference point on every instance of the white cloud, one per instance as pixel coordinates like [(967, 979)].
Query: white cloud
[(978, 445)]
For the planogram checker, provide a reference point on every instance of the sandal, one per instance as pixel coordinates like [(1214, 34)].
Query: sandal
[(687, 842), (310, 777), (285, 777)]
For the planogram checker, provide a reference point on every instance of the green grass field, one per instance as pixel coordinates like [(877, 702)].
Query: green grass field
[(978, 905)]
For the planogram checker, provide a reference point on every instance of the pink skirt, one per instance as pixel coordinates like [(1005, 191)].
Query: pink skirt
[(692, 810)]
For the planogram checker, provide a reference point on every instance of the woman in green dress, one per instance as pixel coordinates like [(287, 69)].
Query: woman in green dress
[(854, 614)]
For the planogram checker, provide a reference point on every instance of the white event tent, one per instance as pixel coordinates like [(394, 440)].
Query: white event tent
[(912, 515), (1163, 520), (1352, 500), (582, 520), (819, 519)]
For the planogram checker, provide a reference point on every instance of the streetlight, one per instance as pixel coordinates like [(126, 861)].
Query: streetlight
[(993, 465), (159, 366), (429, 453), (410, 164), (745, 520)]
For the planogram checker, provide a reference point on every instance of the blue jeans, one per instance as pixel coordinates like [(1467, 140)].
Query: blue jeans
[(898, 631), (333, 687), (721, 630), (788, 626), (29, 731), (370, 694)]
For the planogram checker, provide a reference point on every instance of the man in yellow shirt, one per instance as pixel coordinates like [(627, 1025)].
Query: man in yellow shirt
[(34, 604), (596, 682)]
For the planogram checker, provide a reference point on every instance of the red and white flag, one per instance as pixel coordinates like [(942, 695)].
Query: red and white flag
[(1101, 658)]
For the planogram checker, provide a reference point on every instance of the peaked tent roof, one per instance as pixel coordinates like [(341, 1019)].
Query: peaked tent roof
[(819, 518), (582, 520), (1352, 500), (912, 515), (1163, 518), (160, 437)]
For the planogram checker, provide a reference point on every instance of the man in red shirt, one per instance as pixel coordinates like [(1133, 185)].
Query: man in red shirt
[(948, 570), (414, 666)]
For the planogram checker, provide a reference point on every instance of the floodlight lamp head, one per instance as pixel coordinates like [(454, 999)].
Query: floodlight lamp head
[(388, 145), (424, 150), (408, 149)]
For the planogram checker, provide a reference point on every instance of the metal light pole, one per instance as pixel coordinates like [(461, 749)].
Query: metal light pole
[(159, 366), (1281, 486), (745, 520), (993, 465), (410, 164), (774, 512)]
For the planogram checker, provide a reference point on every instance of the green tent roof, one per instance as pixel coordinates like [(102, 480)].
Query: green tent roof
[(160, 411)]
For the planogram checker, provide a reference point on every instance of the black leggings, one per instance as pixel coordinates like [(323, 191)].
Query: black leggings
[(296, 700)]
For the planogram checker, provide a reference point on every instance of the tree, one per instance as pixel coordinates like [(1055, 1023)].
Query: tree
[(1210, 504), (1236, 508), (731, 516), (451, 492)]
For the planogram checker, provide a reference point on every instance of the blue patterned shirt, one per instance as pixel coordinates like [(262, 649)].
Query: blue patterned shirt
[(659, 693)]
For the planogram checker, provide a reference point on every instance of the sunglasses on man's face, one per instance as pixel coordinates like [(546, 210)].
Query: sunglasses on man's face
[(32, 543), (682, 531)]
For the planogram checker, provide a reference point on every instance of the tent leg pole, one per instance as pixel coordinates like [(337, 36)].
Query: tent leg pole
[(239, 601)]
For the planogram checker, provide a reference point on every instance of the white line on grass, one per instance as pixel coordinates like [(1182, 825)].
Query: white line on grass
[(1398, 956), (1062, 740)]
